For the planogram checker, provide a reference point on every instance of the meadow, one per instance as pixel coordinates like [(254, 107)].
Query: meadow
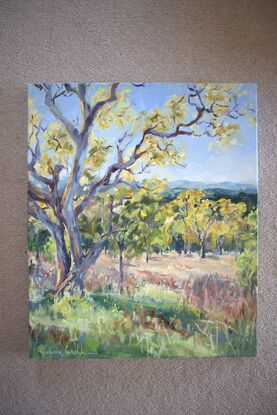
[(172, 306)]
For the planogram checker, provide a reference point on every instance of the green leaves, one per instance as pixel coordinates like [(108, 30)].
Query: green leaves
[(177, 108), (97, 153), (208, 212), (247, 262), (57, 147)]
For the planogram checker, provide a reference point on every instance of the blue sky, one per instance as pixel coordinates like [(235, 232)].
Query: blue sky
[(238, 164)]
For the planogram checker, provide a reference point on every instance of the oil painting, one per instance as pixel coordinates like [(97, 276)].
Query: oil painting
[(142, 220)]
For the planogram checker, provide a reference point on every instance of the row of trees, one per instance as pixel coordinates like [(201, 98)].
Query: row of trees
[(67, 156), (144, 222)]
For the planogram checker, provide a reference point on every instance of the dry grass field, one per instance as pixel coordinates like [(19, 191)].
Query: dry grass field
[(210, 283), (173, 305)]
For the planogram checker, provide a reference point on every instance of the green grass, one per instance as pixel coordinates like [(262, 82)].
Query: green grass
[(154, 322), (169, 310)]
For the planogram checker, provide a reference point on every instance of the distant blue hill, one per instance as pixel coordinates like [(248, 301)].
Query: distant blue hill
[(187, 184)]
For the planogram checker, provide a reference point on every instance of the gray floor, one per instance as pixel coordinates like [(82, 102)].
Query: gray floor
[(139, 41)]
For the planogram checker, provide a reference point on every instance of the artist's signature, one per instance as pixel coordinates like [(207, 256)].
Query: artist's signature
[(50, 352)]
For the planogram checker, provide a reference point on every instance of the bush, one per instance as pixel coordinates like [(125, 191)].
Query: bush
[(247, 262), (247, 268)]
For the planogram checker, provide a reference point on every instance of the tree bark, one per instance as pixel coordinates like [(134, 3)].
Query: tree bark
[(177, 245), (62, 257), (147, 255), (77, 274), (203, 247), (185, 247), (236, 246), (220, 240), (121, 265), (80, 278)]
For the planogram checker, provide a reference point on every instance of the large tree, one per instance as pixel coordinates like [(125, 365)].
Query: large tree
[(70, 162)]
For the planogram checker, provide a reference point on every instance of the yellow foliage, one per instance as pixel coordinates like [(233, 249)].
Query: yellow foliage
[(176, 107), (127, 176)]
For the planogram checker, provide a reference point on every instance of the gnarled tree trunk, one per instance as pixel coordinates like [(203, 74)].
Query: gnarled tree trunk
[(62, 257)]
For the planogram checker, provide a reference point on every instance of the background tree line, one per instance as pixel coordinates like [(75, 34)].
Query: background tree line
[(144, 223)]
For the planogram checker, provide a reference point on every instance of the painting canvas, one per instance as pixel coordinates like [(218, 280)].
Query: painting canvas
[(142, 220)]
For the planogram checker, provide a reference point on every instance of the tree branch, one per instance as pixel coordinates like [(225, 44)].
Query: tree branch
[(35, 156), (105, 180), (51, 105), (94, 111), (37, 194), (178, 130), (37, 213)]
